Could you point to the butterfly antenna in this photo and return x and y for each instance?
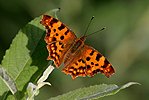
(96, 31)
(88, 25)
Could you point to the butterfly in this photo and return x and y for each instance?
(78, 58)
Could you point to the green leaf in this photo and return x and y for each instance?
(27, 49)
(25, 60)
(93, 92)
(20, 61)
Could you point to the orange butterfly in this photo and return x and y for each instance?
(64, 47)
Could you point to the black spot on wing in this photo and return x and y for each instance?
(92, 53)
(60, 43)
(79, 60)
(66, 32)
(60, 50)
(53, 21)
(96, 64)
(88, 66)
(56, 34)
(62, 46)
(81, 67)
(98, 56)
(76, 63)
(105, 63)
(97, 70)
(88, 58)
(54, 30)
(62, 37)
(92, 63)
(53, 39)
(61, 27)
(83, 61)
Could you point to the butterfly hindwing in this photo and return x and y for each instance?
(96, 62)
(89, 62)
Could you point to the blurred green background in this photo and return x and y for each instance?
(125, 42)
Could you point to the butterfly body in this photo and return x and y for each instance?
(64, 47)
(74, 50)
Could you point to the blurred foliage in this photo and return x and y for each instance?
(124, 42)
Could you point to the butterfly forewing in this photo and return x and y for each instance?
(58, 38)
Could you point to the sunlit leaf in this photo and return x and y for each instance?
(93, 92)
